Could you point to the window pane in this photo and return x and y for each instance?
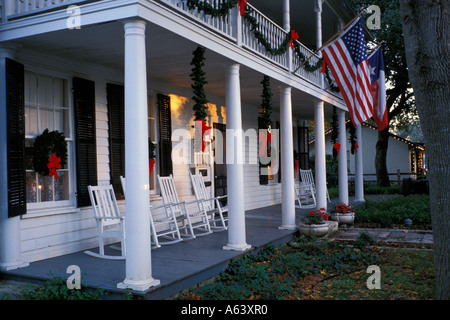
(31, 121)
(45, 188)
(62, 186)
(31, 187)
(46, 120)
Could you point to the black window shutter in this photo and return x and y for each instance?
(85, 137)
(15, 109)
(303, 147)
(263, 178)
(116, 122)
(165, 133)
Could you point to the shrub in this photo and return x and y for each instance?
(396, 210)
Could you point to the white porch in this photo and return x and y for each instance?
(158, 49)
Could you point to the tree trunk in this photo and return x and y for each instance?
(425, 27)
(380, 158)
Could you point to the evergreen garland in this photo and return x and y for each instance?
(335, 131)
(198, 77)
(44, 146)
(266, 104)
(208, 9)
(352, 137)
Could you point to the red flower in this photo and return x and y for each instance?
(54, 163)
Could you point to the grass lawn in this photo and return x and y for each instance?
(318, 269)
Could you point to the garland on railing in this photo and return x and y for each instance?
(223, 10)
(288, 42)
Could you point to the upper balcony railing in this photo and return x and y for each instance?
(231, 26)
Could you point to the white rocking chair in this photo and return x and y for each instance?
(211, 205)
(305, 196)
(170, 196)
(307, 178)
(165, 226)
(107, 216)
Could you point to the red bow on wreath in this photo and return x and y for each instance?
(337, 146)
(294, 36)
(54, 163)
(201, 124)
(242, 4)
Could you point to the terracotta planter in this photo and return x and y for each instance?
(313, 230)
(343, 218)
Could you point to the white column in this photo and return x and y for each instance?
(235, 158)
(318, 11)
(359, 178)
(137, 204)
(287, 28)
(342, 158)
(287, 160)
(10, 254)
(320, 162)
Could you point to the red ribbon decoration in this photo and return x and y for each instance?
(201, 124)
(151, 163)
(337, 146)
(294, 36)
(324, 65)
(242, 4)
(54, 163)
(296, 165)
(264, 137)
(356, 146)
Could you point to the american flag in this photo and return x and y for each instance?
(347, 59)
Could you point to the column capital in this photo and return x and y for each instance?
(134, 26)
(8, 49)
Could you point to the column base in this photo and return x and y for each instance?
(287, 227)
(237, 247)
(138, 285)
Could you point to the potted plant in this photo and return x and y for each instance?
(343, 214)
(315, 224)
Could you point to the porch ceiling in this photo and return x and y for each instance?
(168, 60)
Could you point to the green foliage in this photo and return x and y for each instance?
(266, 103)
(396, 210)
(56, 289)
(274, 274)
(222, 10)
(198, 82)
(332, 171)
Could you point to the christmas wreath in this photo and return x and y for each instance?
(49, 145)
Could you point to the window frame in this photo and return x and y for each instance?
(35, 209)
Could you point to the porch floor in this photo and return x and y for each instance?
(177, 266)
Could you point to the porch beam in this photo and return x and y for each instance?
(359, 178)
(138, 249)
(287, 158)
(235, 160)
(320, 162)
(342, 158)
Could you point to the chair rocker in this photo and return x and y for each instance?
(307, 178)
(183, 215)
(305, 196)
(165, 226)
(212, 206)
(110, 221)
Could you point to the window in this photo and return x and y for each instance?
(46, 107)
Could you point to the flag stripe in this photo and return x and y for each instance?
(347, 59)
